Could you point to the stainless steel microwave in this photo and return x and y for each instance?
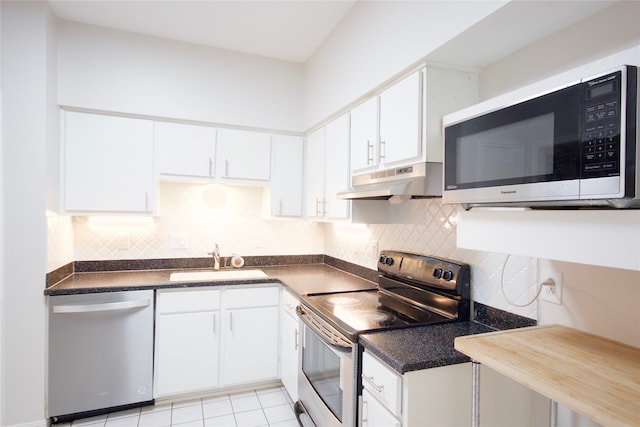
(575, 146)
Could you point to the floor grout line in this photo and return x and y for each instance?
(121, 419)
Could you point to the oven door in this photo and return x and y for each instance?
(328, 378)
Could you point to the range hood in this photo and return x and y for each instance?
(398, 184)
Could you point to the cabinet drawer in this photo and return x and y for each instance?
(186, 301)
(384, 384)
(376, 415)
(252, 297)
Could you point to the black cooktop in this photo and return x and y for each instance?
(413, 290)
(368, 310)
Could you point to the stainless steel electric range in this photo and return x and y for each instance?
(413, 290)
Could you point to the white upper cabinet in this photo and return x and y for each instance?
(402, 125)
(336, 169)
(364, 135)
(314, 169)
(327, 170)
(107, 164)
(243, 155)
(400, 121)
(184, 150)
(287, 176)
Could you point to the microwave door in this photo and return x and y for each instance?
(498, 156)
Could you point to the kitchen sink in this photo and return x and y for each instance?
(186, 276)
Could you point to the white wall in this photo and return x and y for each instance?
(376, 41)
(112, 70)
(1, 240)
(27, 98)
(613, 30)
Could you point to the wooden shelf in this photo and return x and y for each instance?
(593, 376)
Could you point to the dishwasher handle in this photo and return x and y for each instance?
(106, 306)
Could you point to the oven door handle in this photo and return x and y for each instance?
(303, 417)
(325, 332)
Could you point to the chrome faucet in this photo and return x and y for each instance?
(216, 257)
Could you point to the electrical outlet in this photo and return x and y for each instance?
(551, 292)
(179, 241)
(373, 249)
(122, 241)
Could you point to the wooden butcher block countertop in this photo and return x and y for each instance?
(591, 375)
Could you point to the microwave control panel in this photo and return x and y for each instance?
(602, 123)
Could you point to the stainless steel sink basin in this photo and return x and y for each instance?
(186, 276)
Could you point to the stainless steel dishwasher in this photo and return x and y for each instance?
(100, 353)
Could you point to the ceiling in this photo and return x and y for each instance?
(287, 30)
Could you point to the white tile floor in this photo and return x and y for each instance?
(267, 407)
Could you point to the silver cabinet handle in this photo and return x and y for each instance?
(226, 168)
(371, 382)
(296, 337)
(383, 149)
(318, 207)
(106, 306)
(214, 323)
(230, 321)
(369, 152)
(365, 413)
(210, 166)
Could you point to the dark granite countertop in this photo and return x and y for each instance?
(404, 350)
(424, 347)
(300, 279)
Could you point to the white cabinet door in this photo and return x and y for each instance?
(107, 164)
(364, 136)
(186, 341)
(336, 174)
(243, 155)
(187, 352)
(183, 150)
(314, 164)
(287, 176)
(400, 121)
(374, 414)
(327, 164)
(250, 345)
(250, 327)
(290, 343)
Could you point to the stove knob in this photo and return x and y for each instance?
(437, 273)
(447, 275)
(382, 258)
(388, 260)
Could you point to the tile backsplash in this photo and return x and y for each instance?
(193, 217)
(427, 226)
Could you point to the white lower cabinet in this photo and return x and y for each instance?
(208, 338)
(250, 321)
(187, 341)
(290, 333)
(375, 414)
(440, 397)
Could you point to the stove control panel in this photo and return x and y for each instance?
(445, 275)
(386, 260)
(426, 270)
